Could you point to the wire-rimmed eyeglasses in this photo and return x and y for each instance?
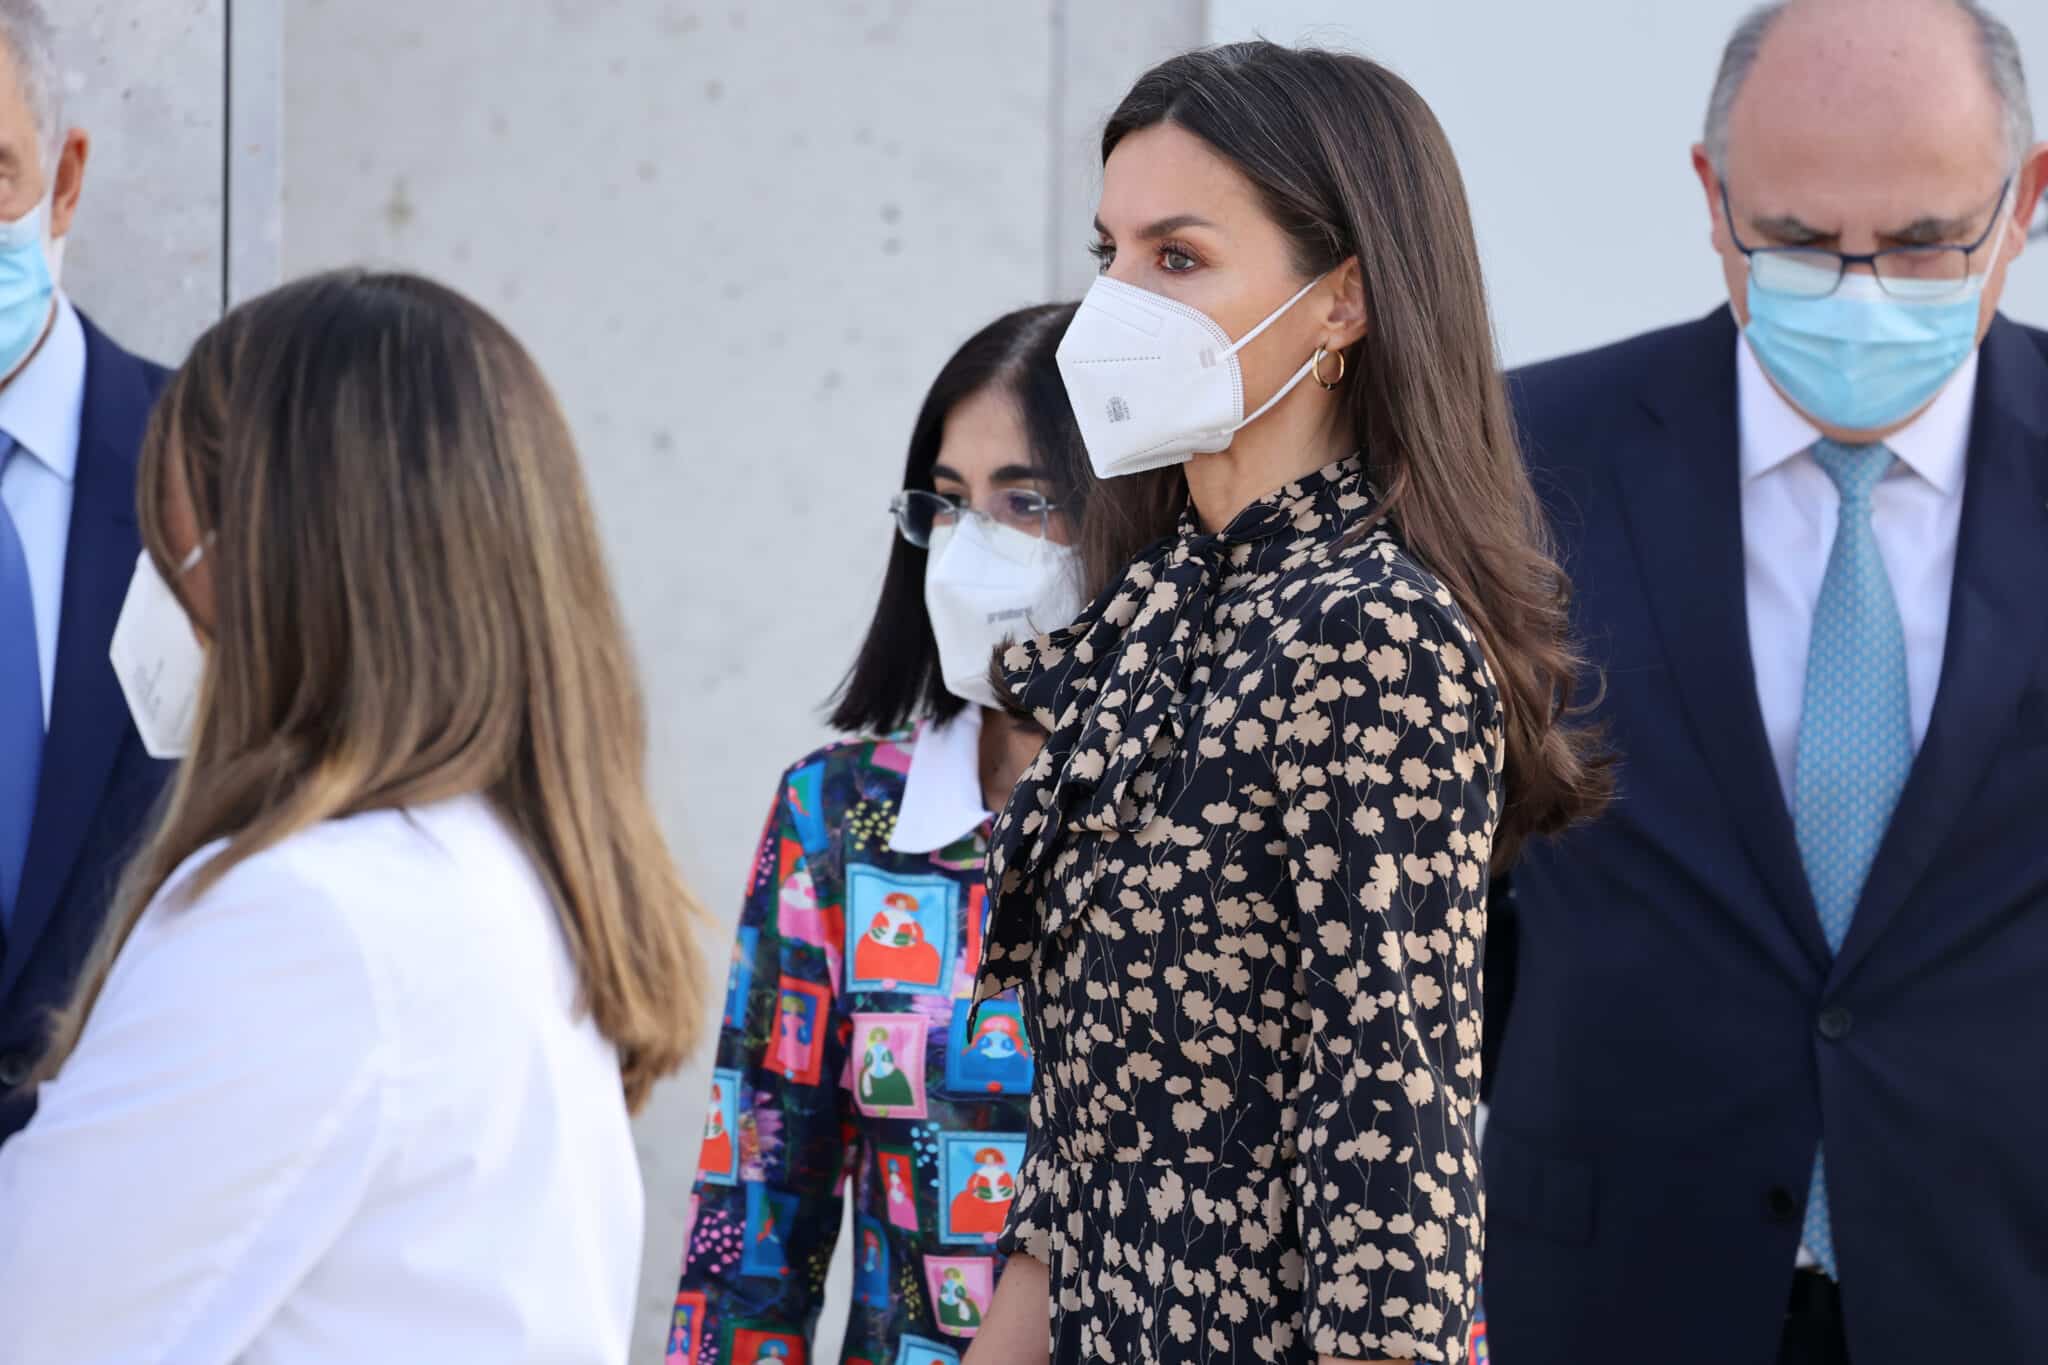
(1930, 273)
(919, 512)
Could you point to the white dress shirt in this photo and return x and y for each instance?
(41, 408)
(342, 1108)
(1789, 510)
(942, 797)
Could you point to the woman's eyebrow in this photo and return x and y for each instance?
(1165, 227)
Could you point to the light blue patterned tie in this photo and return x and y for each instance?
(1855, 731)
(21, 704)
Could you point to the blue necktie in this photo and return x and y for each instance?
(1855, 732)
(21, 705)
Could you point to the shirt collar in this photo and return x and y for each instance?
(1935, 445)
(1335, 487)
(942, 793)
(40, 407)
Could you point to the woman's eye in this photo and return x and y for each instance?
(1104, 255)
(1175, 261)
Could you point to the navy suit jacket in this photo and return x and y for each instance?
(1679, 1036)
(98, 785)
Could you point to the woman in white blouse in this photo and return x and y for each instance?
(348, 1079)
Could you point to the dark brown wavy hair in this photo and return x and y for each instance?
(1350, 162)
(411, 604)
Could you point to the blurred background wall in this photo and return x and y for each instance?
(742, 237)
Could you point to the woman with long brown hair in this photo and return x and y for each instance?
(1243, 889)
(348, 1077)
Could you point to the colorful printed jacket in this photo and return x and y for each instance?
(848, 1060)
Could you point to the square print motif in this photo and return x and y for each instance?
(806, 797)
(896, 1174)
(977, 1181)
(900, 931)
(798, 1046)
(870, 1263)
(765, 1346)
(765, 1252)
(995, 1059)
(961, 1287)
(916, 1350)
(686, 1329)
(719, 1163)
(887, 1065)
(740, 978)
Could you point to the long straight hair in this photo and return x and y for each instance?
(410, 605)
(1350, 162)
(895, 678)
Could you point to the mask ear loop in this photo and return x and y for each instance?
(1278, 313)
(1253, 335)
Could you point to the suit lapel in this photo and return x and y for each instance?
(89, 717)
(1684, 510)
(1996, 626)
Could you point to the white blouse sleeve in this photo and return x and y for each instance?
(217, 1125)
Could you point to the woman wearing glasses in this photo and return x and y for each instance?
(846, 1060)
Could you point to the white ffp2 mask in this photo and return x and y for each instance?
(159, 661)
(987, 585)
(1154, 382)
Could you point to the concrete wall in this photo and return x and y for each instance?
(1574, 124)
(740, 239)
(147, 79)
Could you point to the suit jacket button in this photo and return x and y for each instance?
(1780, 1204)
(14, 1068)
(1835, 1024)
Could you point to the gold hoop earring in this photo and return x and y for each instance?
(1316, 369)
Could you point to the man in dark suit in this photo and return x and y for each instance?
(75, 784)
(1768, 1086)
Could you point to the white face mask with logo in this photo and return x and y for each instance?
(987, 585)
(1154, 382)
(159, 660)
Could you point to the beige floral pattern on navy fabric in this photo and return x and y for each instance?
(1244, 894)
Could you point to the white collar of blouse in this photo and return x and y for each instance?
(942, 799)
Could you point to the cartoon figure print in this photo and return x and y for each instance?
(765, 1249)
(882, 1083)
(871, 1264)
(798, 1048)
(887, 1070)
(753, 1346)
(686, 1329)
(995, 1059)
(719, 1162)
(896, 1171)
(740, 977)
(956, 1305)
(979, 1182)
(961, 1288)
(894, 947)
(906, 930)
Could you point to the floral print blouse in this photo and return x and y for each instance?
(847, 1063)
(1243, 891)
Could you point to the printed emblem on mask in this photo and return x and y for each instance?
(1119, 411)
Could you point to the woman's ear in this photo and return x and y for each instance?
(1346, 321)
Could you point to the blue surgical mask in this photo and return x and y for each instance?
(27, 284)
(1868, 355)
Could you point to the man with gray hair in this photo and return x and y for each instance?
(75, 781)
(1765, 1087)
